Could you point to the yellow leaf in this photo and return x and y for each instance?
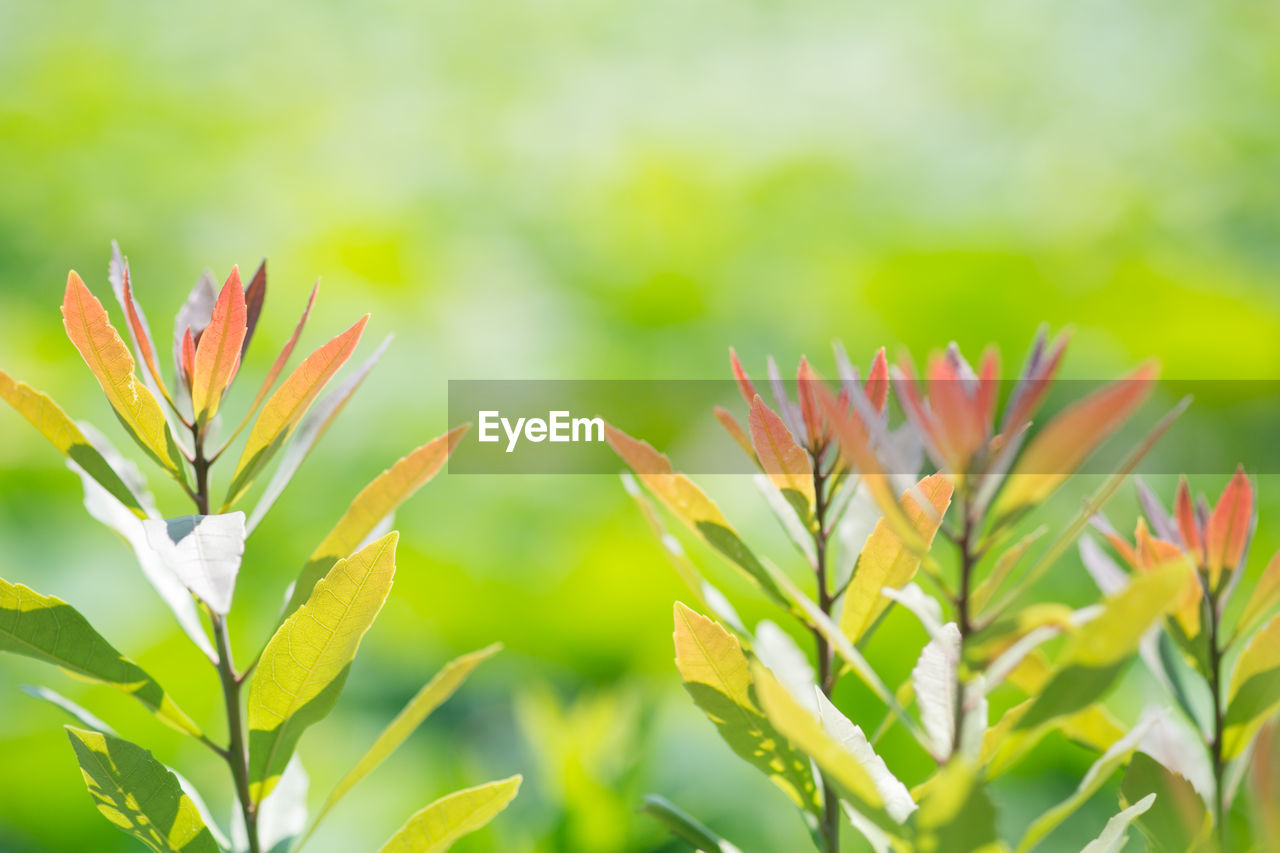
(435, 828)
(1255, 689)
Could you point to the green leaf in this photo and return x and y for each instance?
(956, 816)
(139, 794)
(54, 424)
(1116, 833)
(435, 828)
(1098, 651)
(1177, 821)
(1255, 689)
(305, 664)
(685, 827)
(718, 677)
(1097, 775)
(48, 629)
(430, 697)
(374, 503)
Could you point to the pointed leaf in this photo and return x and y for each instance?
(254, 297)
(786, 463)
(109, 359)
(52, 422)
(1263, 599)
(747, 390)
(439, 825)
(305, 664)
(735, 430)
(281, 360)
(139, 794)
(1060, 448)
(374, 503)
(1227, 533)
(430, 697)
(82, 715)
(218, 353)
(685, 827)
(851, 738)
(717, 675)
(288, 404)
(886, 562)
(1116, 833)
(196, 311)
(1177, 821)
(690, 504)
(139, 331)
(48, 629)
(1255, 689)
(202, 551)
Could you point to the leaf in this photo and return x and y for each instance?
(786, 463)
(935, 679)
(839, 766)
(374, 503)
(52, 422)
(886, 561)
(1177, 822)
(50, 630)
(82, 715)
(281, 816)
(685, 827)
(735, 430)
(254, 297)
(104, 507)
(139, 331)
(314, 424)
(277, 367)
(90, 330)
(202, 551)
(1264, 598)
(1116, 833)
(218, 352)
(1101, 770)
(1060, 448)
(305, 665)
(435, 828)
(690, 504)
(1097, 652)
(740, 376)
(851, 738)
(1255, 689)
(957, 815)
(139, 794)
(281, 413)
(717, 675)
(430, 697)
(1227, 532)
(195, 313)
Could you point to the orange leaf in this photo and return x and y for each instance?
(1185, 513)
(744, 384)
(1155, 553)
(288, 404)
(138, 329)
(731, 425)
(1060, 448)
(187, 356)
(1227, 533)
(878, 381)
(90, 330)
(786, 463)
(218, 354)
(805, 380)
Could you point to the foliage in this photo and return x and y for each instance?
(193, 562)
(834, 461)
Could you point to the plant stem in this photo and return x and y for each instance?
(237, 753)
(827, 673)
(1215, 748)
(967, 561)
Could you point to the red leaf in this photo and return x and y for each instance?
(1185, 513)
(877, 386)
(254, 296)
(1227, 533)
(744, 384)
(218, 352)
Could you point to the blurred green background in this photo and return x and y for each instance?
(606, 189)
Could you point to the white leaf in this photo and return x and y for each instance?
(777, 651)
(926, 609)
(202, 551)
(786, 515)
(934, 680)
(1180, 750)
(282, 816)
(309, 431)
(104, 507)
(82, 715)
(897, 799)
(876, 837)
(1115, 834)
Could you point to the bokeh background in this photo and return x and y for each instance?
(596, 189)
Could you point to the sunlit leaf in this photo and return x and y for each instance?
(281, 413)
(314, 424)
(1116, 833)
(109, 359)
(202, 551)
(897, 799)
(304, 666)
(1255, 689)
(1177, 821)
(1228, 528)
(887, 562)
(430, 697)
(786, 463)
(139, 331)
(139, 795)
(747, 389)
(254, 297)
(48, 629)
(1060, 448)
(374, 503)
(1263, 599)
(688, 503)
(218, 352)
(52, 422)
(439, 825)
(735, 430)
(685, 827)
(282, 816)
(718, 677)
